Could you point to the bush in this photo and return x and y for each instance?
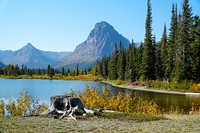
(38, 109)
(173, 85)
(2, 110)
(195, 87)
(122, 102)
(21, 107)
(118, 82)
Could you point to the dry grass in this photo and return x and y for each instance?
(88, 77)
(174, 123)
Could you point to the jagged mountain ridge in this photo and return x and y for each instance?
(29, 56)
(100, 42)
(33, 57)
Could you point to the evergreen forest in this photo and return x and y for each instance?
(176, 57)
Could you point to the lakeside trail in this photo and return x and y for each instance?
(143, 88)
(173, 123)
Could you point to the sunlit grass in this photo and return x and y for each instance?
(88, 77)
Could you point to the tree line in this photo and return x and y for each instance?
(174, 57)
(15, 70)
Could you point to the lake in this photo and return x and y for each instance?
(44, 89)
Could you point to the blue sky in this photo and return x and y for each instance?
(60, 25)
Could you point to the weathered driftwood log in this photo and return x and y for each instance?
(63, 105)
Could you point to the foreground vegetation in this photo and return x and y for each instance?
(128, 103)
(133, 115)
(122, 102)
(173, 123)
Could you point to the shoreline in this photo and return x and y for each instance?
(143, 88)
(136, 88)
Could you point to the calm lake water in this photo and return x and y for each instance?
(44, 89)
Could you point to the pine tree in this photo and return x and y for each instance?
(184, 46)
(163, 51)
(153, 54)
(113, 64)
(148, 68)
(100, 67)
(63, 71)
(159, 63)
(196, 49)
(76, 71)
(131, 62)
(138, 62)
(49, 71)
(85, 72)
(121, 62)
(105, 66)
(171, 45)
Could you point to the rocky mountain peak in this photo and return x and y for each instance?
(100, 29)
(103, 25)
(27, 49)
(28, 46)
(99, 43)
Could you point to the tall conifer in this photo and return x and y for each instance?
(164, 48)
(113, 64)
(171, 44)
(131, 63)
(184, 46)
(148, 69)
(121, 62)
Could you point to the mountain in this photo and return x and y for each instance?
(56, 56)
(100, 42)
(2, 65)
(29, 56)
(6, 54)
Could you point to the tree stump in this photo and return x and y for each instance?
(63, 105)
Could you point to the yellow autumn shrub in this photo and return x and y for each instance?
(21, 107)
(2, 110)
(122, 102)
(195, 87)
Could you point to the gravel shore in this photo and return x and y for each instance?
(143, 88)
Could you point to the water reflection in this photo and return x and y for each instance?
(163, 100)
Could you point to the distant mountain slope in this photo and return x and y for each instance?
(29, 56)
(56, 56)
(2, 65)
(6, 54)
(100, 42)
